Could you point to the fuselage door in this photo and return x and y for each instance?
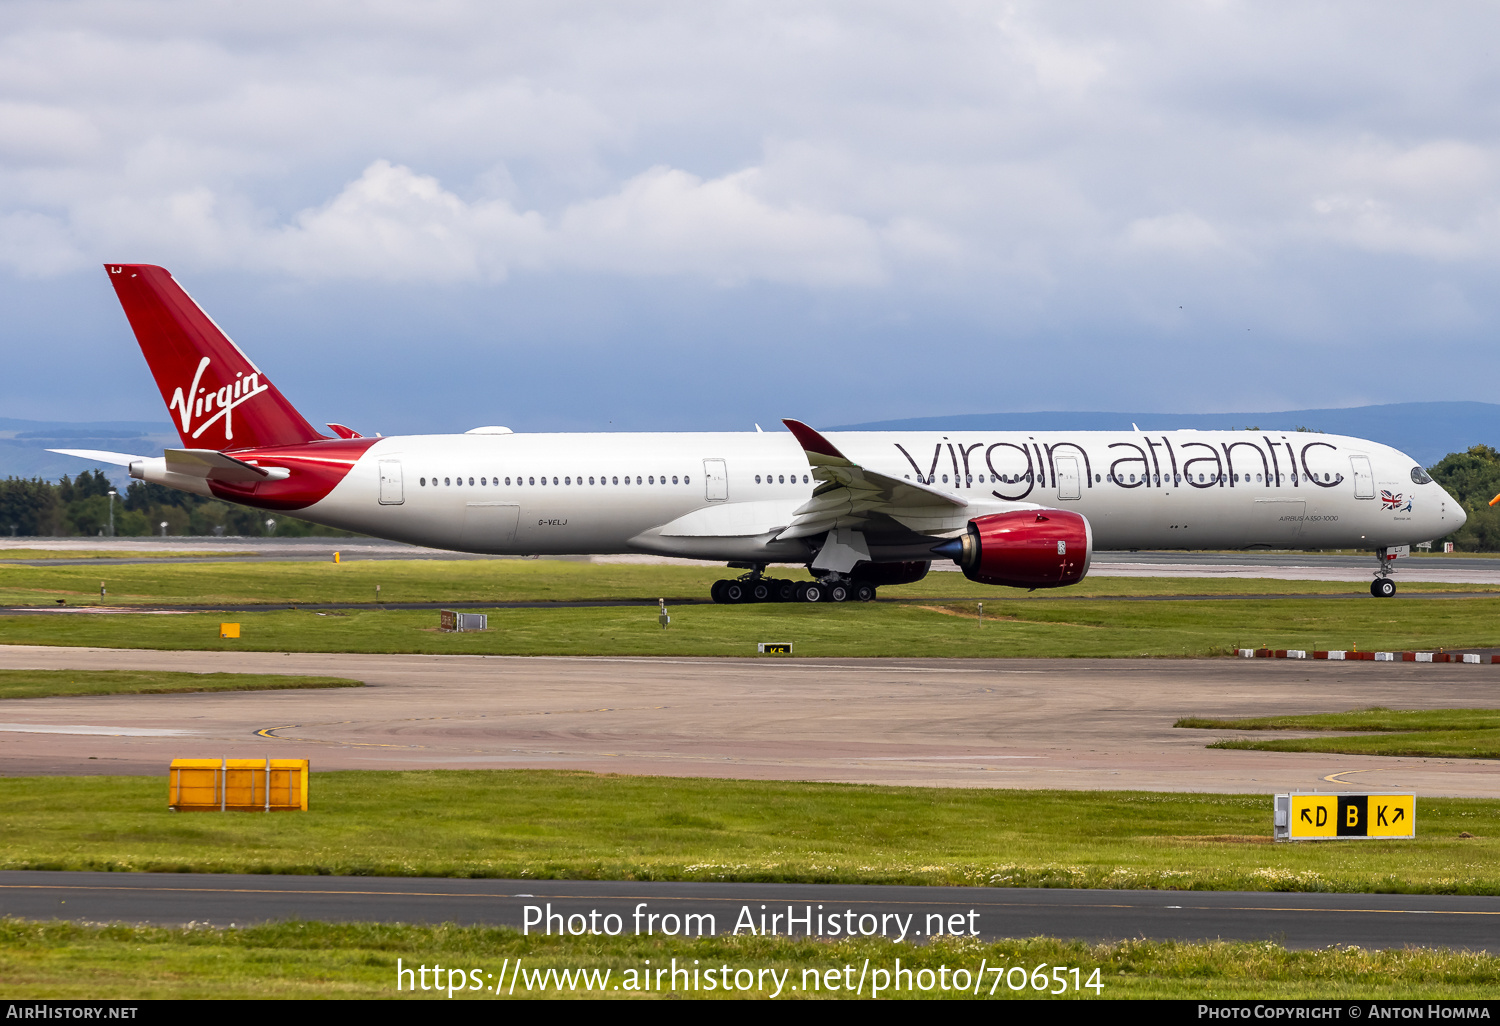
(390, 483)
(1068, 484)
(1364, 477)
(715, 480)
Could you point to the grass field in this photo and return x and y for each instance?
(359, 960)
(1011, 628)
(542, 580)
(88, 553)
(47, 683)
(573, 825)
(1445, 744)
(1375, 718)
(1421, 733)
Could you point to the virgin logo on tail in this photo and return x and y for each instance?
(218, 404)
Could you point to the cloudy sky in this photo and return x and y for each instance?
(572, 216)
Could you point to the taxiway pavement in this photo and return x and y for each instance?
(1047, 723)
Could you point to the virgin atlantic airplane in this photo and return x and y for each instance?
(859, 509)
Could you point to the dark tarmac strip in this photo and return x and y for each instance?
(1295, 920)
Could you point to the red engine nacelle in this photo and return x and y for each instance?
(1027, 549)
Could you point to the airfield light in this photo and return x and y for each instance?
(163, 526)
(112, 495)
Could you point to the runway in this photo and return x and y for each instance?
(897, 913)
(1064, 723)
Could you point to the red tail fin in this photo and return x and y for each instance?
(216, 396)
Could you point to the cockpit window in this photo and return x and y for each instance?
(1419, 476)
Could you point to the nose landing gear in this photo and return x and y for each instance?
(1383, 586)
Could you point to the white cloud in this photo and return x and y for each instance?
(395, 224)
(1179, 233)
(666, 221)
(43, 133)
(809, 144)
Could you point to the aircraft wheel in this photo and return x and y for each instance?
(735, 592)
(838, 593)
(760, 592)
(811, 592)
(864, 592)
(1383, 587)
(786, 591)
(717, 592)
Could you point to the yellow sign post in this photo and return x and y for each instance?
(1318, 816)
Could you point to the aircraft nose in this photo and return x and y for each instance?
(1454, 516)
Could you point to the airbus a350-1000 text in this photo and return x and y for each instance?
(858, 509)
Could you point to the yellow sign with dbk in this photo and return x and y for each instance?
(1310, 817)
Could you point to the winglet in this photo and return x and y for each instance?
(812, 442)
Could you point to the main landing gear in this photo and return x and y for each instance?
(755, 587)
(1383, 586)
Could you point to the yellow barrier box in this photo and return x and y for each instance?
(237, 785)
(229, 630)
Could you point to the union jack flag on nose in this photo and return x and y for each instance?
(1395, 501)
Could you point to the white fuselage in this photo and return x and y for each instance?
(722, 496)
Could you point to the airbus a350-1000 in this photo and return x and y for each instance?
(859, 509)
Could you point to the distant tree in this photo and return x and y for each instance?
(29, 507)
(87, 485)
(80, 506)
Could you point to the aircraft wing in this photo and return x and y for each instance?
(850, 496)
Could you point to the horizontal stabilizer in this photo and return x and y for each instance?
(119, 459)
(216, 466)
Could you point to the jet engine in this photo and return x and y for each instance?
(1046, 548)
